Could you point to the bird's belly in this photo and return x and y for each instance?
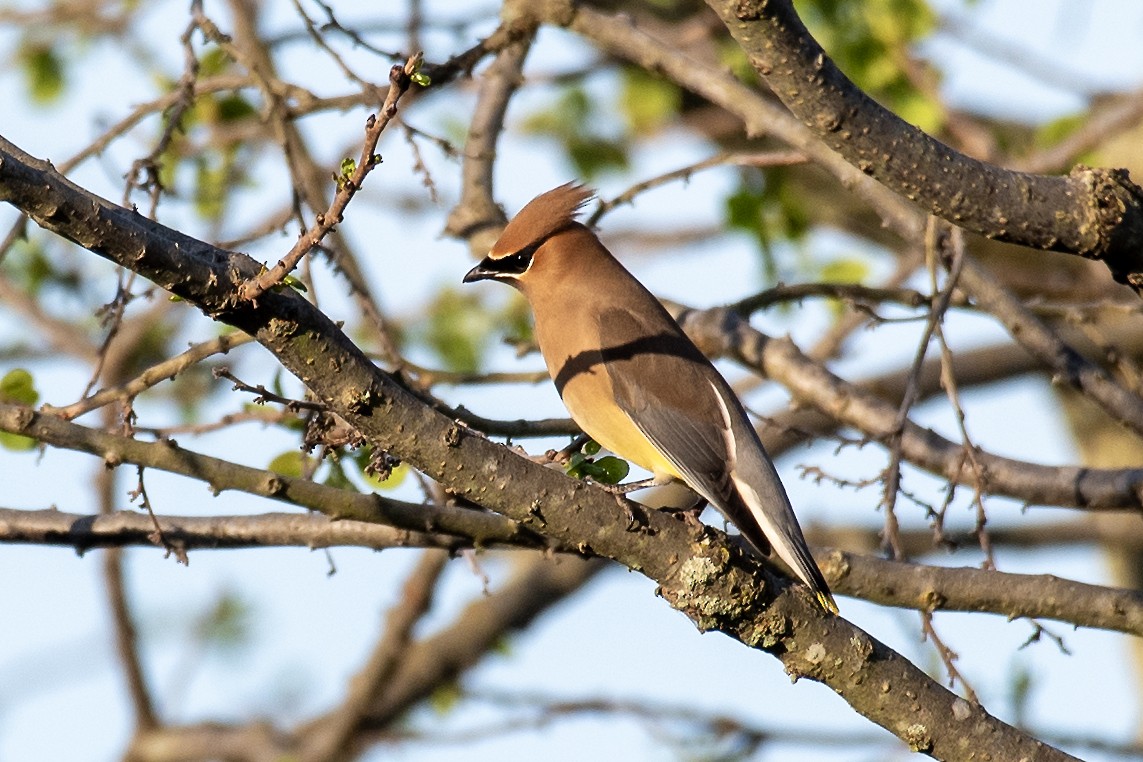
(612, 429)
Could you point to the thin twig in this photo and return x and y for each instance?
(400, 77)
(144, 173)
(264, 395)
(762, 159)
(126, 635)
(157, 536)
(162, 371)
(948, 656)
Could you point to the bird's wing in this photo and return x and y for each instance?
(679, 402)
(666, 388)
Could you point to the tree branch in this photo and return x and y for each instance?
(1035, 596)
(477, 218)
(1095, 213)
(475, 526)
(1091, 489)
(268, 530)
(891, 583)
(704, 576)
(163, 371)
(391, 649)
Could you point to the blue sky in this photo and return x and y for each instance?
(60, 693)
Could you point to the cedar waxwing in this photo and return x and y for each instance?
(634, 382)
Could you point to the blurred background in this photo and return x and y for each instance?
(273, 634)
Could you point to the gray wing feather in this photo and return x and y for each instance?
(676, 398)
(666, 390)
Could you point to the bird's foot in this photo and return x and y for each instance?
(623, 489)
(689, 514)
(636, 514)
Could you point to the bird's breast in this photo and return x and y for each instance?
(590, 400)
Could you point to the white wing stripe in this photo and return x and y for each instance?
(727, 430)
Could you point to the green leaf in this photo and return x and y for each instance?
(590, 447)
(502, 646)
(383, 473)
(421, 79)
(18, 388)
(43, 72)
(33, 269)
(564, 118)
(845, 270)
(213, 180)
(213, 62)
(648, 103)
(458, 329)
(1052, 132)
(1021, 690)
(276, 384)
(233, 108)
(608, 470)
(744, 208)
(31, 264)
(293, 282)
(575, 465)
(445, 698)
(593, 156)
(516, 317)
(16, 442)
(732, 57)
(337, 477)
(288, 463)
(920, 110)
(572, 120)
(392, 481)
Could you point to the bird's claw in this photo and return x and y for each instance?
(636, 516)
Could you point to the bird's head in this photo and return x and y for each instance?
(539, 221)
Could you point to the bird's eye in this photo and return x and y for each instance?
(518, 263)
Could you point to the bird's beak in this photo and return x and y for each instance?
(483, 271)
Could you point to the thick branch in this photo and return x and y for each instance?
(1037, 596)
(703, 576)
(1095, 213)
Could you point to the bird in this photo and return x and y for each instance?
(634, 382)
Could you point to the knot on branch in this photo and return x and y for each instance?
(726, 589)
(748, 10)
(1116, 232)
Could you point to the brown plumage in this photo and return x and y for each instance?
(634, 382)
(541, 218)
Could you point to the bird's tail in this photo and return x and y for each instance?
(785, 539)
(771, 522)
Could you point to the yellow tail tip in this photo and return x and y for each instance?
(826, 601)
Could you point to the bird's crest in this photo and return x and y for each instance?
(541, 217)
